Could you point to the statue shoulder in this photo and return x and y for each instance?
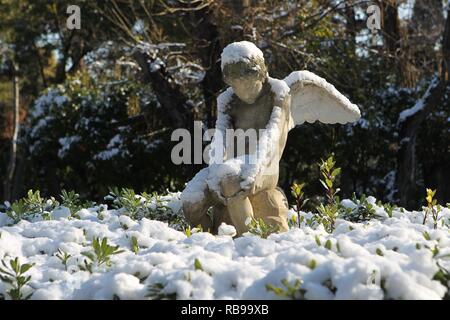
(281, 91)
(225, 99)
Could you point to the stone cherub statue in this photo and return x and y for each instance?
(241, 183)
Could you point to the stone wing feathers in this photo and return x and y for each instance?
(314, 99)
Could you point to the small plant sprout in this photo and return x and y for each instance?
(129, 201)
(188, 231)
(72, 201)
(292, 221)
(260, 228)
(329, 174)
(156, 292)
(389, 209)
(432, 208)
(101, 255)
(17, 211)
(312, 264)
(327, 216)
(134, 244)
(300, 200)
(289, 290)
(198, 265)
(443, 276)
(14, 275)
(63, 256)
(426, 235)
(328, 213)
(317, 239)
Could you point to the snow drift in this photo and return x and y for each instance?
(385, 258)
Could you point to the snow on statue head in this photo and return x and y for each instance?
(244, 69)
(236, 190)
(240, 51)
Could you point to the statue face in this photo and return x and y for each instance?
(246, 79)
(247, 89)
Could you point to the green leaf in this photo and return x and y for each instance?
(15, 265)
(336, 172)
(28, 296)
(104, 245)
(134, 244)
(25, 268)
(5, 279)
(329, 183)
(318, 241)
(89, 255)
(198, 265)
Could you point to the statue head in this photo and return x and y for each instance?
(244, 69)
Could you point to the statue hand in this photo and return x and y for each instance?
(247, 190)
(231, 186)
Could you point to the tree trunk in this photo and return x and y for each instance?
(19, 174)
(8, 183)
(169, 94)
(410, 122)
(210, 48)
(390, 25)
(351, 25)
(409, 128)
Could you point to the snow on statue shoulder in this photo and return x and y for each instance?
(241, 182)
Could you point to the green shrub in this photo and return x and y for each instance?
(328, 213)
(144, 205)
(101, 254)
(13, 273)
(363, 211)
(31, 207)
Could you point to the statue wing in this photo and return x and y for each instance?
(314, 99)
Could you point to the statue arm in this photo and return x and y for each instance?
(270, 147)
(223, 122)
(273, 139)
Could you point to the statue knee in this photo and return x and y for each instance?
(189, 212)
(194, 211)
(270, 202)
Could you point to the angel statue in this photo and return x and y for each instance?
(240, 182)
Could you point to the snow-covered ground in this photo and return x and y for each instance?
(384, 258)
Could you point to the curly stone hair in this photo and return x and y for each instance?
(245, 68)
